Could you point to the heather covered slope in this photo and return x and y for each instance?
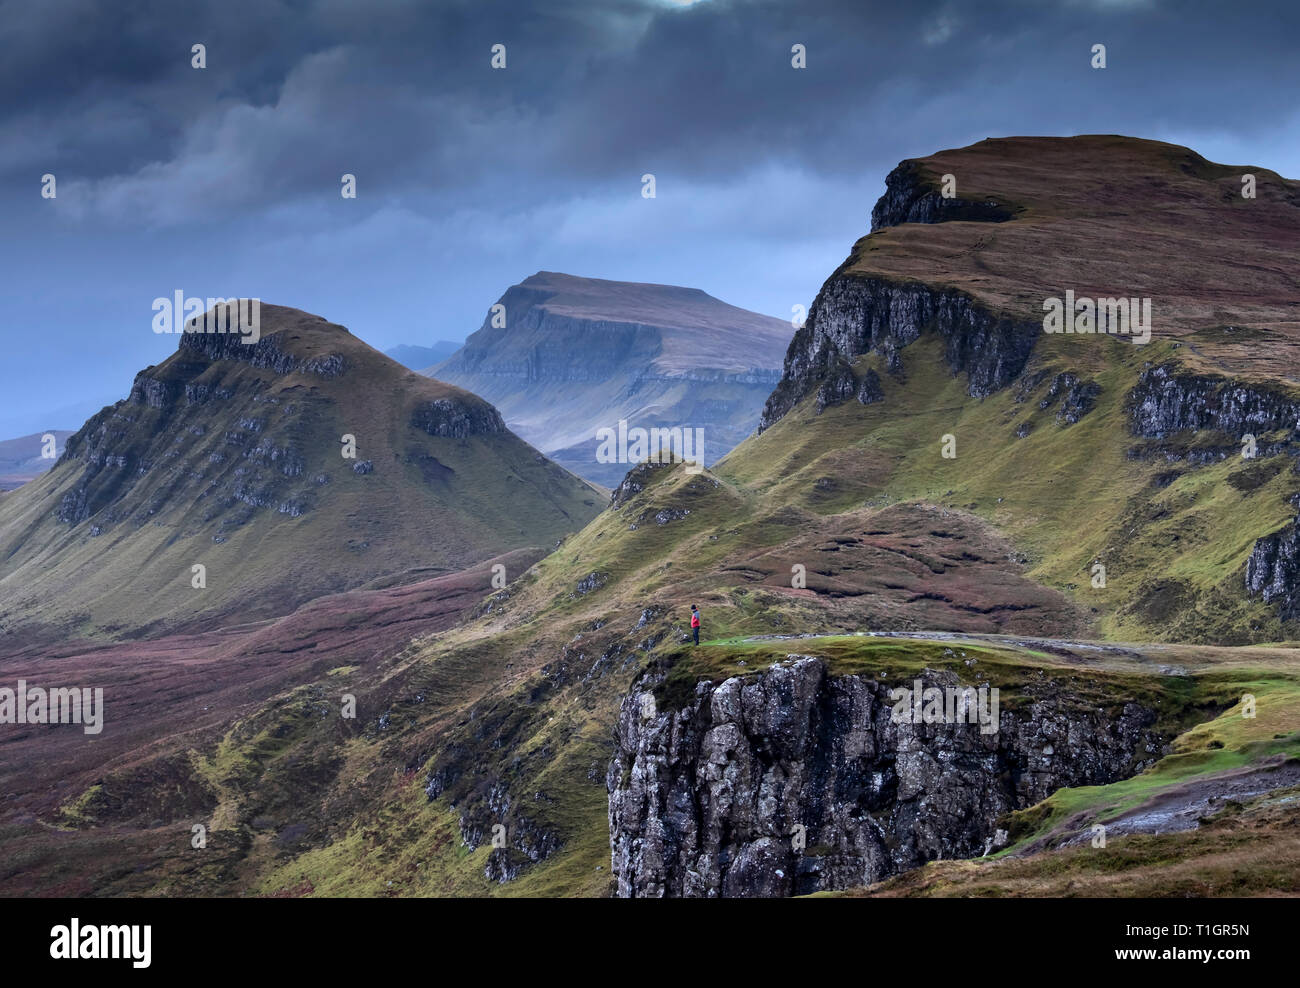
(579, 354)
(230, 456)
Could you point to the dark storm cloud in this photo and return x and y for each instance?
(401, 94)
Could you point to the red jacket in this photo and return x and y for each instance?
(695, 619)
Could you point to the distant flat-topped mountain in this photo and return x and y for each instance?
(231, 456)
(21, 459)
(566, 356)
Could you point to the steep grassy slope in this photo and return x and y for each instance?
(1174, 535)
(230, 456)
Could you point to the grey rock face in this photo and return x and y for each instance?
(457, 420)
(590, 582)
(706, 800)
(841, 384)
(635, 482)
(265, 353)
(1166, 401)
(908, 199)
(1079, 397)
(853, 315)
(1273, 571)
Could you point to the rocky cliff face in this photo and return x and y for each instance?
(707, 800)
(911, 198)
(1273, 571)
(456, 420)
(1167, 400)
(854, 315)
(266, 353)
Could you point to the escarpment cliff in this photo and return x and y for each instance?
(1168, 400)
(563, 357)
(854, 315)
(969, 243)
(912, 197)
(792, 780)
(858, 312)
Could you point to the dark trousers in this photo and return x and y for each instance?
(697, 635)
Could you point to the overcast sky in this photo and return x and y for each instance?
(225, 180)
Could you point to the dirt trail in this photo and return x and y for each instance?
(1183, 807)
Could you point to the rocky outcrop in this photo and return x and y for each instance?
(457, 419)
(842, 383)
(910, 198)
(1167, 400)
(854, 315)
(635, 481)
(1273, 571)
(1079, 397)
(266, 353)
(591, 582)
(791, 780)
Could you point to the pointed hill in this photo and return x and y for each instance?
(231, 456)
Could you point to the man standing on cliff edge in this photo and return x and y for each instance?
(695, 623)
